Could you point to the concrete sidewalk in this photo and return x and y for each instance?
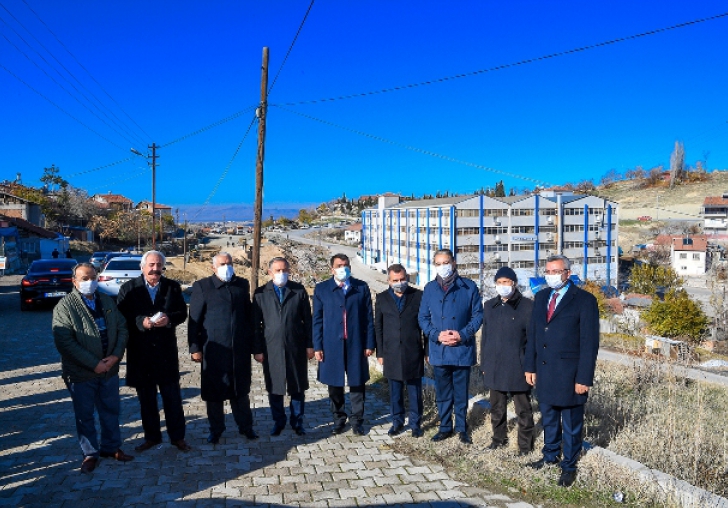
(40, 456)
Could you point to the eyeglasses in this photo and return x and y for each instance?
(554, 272)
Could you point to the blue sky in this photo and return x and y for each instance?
(175, 67)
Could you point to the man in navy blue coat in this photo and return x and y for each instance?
(450, 314)
(561, 356)
(343, 338)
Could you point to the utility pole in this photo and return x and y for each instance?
(184, 247)
(261, 113)
(154, 194)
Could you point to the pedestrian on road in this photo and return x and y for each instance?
(450, 314)
(561, 355)
(55, 254)
(90, 334)
(283, 343)
(153, 307)
(343, 338)
(220, 336)
(502, 347)
(401, 348)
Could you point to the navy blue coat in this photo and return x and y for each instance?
(399, 338)
(328, 331)
(459, 309)
(564, 351)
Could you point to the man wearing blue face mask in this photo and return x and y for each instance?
(343, 338)
(90, 334)
(220, 336)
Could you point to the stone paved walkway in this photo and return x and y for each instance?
(40, 457)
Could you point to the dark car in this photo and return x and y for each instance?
(97, 258)
(47, 280)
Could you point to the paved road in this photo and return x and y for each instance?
(40, 457)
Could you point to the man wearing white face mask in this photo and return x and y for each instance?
(561, 355)
(343, 338)
(220, 336)
(502, 346)
(283, 343)
(90, 334)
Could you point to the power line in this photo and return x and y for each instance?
(227, 169)
(212, 125)
(73, 175)
(118, 124)
(59, 107)
(121, 180)
(510, 65)
(52, 78)
(290, 48)
(418, 150)
(86, 70)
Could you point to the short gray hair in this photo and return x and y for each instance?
(221, 253)
(83, 265)
(278, 259)
(562, 258)
(446, 252)
(152, 253)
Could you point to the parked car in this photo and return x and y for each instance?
(118, 271)
(645, 218)
(112, 255)
(47, 280)
(97, 258)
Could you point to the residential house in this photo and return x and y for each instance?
(114, 202)
(352, 234)
(15, 206)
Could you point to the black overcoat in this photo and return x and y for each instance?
(400, 341)
(221, 328)
(152, 356)
(503, 343)
(563, 352)
(282, 335)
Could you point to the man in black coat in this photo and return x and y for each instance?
(153, 306)
(220, 336)
(401, 348)
(561, 356)
(283, 343)
(502, 348)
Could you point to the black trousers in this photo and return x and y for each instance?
(499, 420)
(357, 394)
(174, 415)
(241, 413)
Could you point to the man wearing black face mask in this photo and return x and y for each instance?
(401, 348)
(153, 307)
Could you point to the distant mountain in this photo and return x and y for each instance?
(238, 211)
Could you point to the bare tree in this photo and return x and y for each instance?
(677, 163)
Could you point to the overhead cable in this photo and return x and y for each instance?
(74, 175)
(212, 125)
(510, 65)
(418, 150)
(290, 48)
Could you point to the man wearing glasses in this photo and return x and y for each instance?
(561, 355)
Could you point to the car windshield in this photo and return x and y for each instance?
(51, 266)
(123, 264)
(100, 254)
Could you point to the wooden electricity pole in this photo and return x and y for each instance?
(154, 193)
(261, 113)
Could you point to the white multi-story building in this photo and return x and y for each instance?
(486, 233)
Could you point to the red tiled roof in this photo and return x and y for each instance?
(715, 201)
(355, 227)
(112, 198)
(699, 243)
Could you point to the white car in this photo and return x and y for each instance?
(117, 272)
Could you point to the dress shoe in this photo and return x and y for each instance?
(441, 436)
(338, 429)
(182, 445)
(300, 431)
(358, 430)
(89, 464)
(417, 432)
(523, 453)
(213, 438)
(540, 464)
(147, 445)
(567, 478)
(464, 438)
(117, 455)
(494, 445)
(250, 434)
(396, 430)
(276, 430)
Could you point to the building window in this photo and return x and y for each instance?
(521, 212)
(573, 228)
(573, 211)
(696, 256)
(467, 213)
(523, 229)
(683, 255)
(547, 211)
(521, 246)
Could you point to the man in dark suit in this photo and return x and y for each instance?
(153, 307)
(401, 348)
(283, 343)
(220, 336)
(343, 338)
(561, 356)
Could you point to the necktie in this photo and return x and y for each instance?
(343, 288)
(281, 293)
(552, 307)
